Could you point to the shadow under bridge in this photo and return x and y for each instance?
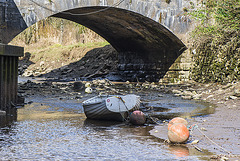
(146, 48)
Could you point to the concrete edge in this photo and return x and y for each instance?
(2, 113)
(10, 50)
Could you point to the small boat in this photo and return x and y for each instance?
(115, 108)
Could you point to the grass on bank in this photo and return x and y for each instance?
(60, 52)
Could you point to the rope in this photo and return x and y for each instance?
(79, 14)
(212, 141)
(153, 120)
(123, 103)
(194, 126)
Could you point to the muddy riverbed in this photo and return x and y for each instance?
(52, 125)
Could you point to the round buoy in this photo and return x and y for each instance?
(178, 133)
(177, 120)
(137, 118)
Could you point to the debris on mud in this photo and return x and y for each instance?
(97, 63)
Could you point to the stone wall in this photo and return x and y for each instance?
(22, 13)
(11, 21)
(180, 70)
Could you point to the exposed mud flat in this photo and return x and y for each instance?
(220, 124)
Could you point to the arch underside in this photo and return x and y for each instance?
(126, 31)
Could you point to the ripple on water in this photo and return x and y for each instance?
(45, 130)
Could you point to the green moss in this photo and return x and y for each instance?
(217, 42)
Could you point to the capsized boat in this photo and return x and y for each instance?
(115, 108)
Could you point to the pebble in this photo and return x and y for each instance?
(203, 129)
(87, 85)
(187, 97)
(2, 112)
(237, 92)
(224, 158)
(233, 97)
(88, 90)
(195, 142)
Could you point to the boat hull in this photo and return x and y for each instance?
(99, 111)
(96, 108)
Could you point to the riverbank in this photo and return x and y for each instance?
(221, 124)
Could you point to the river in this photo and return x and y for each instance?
(50, 128)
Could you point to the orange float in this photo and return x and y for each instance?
(177, 120)
(178, 133)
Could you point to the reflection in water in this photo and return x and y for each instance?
(6, 120)
(49, 130)
(179, 150)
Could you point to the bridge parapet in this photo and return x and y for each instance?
(17, 15)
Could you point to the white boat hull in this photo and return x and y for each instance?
(113, 108)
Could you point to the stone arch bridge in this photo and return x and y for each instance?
(142, 31)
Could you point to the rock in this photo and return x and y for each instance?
(176, 92)
(227, 86)
(77, 86)
(223, 158)
(187, 97)
(88, 84)
(88, 90)
(194, 142)
(189, 93)
(237, 92)
(233, 97)
(2, 112)
(197, 96)
(42, 63)
(210, 96)
(28, 73)
(103, 81)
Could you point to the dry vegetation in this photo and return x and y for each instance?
(56, 42)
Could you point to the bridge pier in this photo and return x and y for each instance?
(9, 76)
(144, 66)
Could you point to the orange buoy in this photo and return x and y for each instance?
(177, 120)
(178, 133)
(137, 118)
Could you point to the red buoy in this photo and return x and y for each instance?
(178, 133)
(137, 118)
(177, 120)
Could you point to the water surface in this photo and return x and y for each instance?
(54, 129)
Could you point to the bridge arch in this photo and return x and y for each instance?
(146, 48)
(125, 30)
(138, 39)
